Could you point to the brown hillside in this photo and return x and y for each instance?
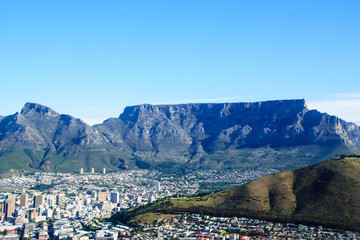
(327, 193)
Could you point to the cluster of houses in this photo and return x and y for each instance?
(195, 226)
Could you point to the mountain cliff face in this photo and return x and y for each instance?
(231, 134)
(280, 134)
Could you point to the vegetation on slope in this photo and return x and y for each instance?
(326, 193)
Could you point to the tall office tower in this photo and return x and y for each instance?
(101, 196)
(104, 170)
(94, 195)
(9, 206)
(158, 187)
(49, 213)
(1, 207)
(40, 210)
(51, 200)
(38, 201)
(114, 197)
(32, 214)
(7, 209)
(81, 171)
(24, 200)
(92, 170)
(59, 199)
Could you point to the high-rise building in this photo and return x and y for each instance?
(104, 170)
(101, 196)
(7, 209)
(59, 199)
(1, 207)
(81, 171)
(24, 200)
(51, 200)
(32, 214)
(92, 170)
(114, 197)
(94, 195)
(12, 198)
(158, 187)
(49, 213)
(39, 200)
(9, 206)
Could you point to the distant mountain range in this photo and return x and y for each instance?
(327, 193)
(278, 134)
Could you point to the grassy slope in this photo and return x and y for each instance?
(327, 193)
(113, 159)
(14, 160)
(30, 160)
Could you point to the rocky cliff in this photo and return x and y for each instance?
(231, 134)
(281, 134)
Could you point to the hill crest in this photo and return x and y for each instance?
(327, 193)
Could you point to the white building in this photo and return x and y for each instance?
(152, 198)
(158, 186)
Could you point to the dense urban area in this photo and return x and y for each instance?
(77, 206)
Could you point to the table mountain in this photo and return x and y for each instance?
(278, 134)
(281, 134)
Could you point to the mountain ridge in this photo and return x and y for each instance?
(277, 134)
(40, 138)
(200, 130)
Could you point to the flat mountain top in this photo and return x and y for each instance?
(272, 105)
(281, 134)
(327, 193)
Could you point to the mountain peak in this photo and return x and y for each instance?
(30, 108)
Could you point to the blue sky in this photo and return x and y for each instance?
(90, 58)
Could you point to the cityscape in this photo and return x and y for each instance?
(76, 206)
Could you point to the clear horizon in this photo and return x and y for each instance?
(90, 59)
